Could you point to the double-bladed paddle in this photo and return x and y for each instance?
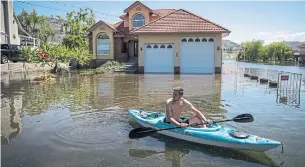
(143, 132)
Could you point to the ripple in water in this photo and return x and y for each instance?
(99, 130)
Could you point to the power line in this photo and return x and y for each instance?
(79, 7)
(55, 8)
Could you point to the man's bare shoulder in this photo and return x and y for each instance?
(169, 101)
(186, 101)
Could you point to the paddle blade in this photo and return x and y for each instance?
(141, 132)
(243, 118)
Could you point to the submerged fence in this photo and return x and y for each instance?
(289, 88)
(288, 85)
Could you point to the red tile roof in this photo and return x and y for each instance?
(120, 27)
(163, 12)
(181, 21)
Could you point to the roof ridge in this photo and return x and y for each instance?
(118, 22)
(134, 4)
(204, 19)
(155, 20)
(107, 24)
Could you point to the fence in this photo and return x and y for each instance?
(289, 88)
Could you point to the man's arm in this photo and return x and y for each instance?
(197, 112)
(168, 114)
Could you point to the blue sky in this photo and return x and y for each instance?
(269, 21)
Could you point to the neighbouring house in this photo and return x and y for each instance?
(11, 29)
(300, 53)
(161, 40)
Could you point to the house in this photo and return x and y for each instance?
(162, 40)
(11, 29)
(300, 53)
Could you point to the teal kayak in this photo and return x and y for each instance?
(216, 134)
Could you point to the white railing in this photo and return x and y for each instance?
(29, 41)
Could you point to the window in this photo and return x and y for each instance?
(155, 46)
(169, 46)
(184, 40)
(148, 46)
(197, 40)
(162, 46)
(103, 44)
(15, 47)
(204, 40)
(138, 20)
(211, 40)
(4, 46)
(191, 40)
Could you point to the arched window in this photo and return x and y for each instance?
(169, 46)
(103, 44)
(184, 40)
(211, 40)
(197, 40)
(138, 20)
(191, 40)
(162, 46)
(204, 40)
(148, 46)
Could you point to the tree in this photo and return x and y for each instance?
(253, 49)
(278, 51)
(36, 25)
(76, 25)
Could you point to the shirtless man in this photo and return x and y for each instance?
(174, 108)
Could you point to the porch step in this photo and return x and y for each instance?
(126, 70)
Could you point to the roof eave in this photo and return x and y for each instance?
(127, 9)
(196, 32)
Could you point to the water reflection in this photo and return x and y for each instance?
(11, 118)
(175, 151)
(78, 93)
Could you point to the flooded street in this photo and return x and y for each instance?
(82, 121)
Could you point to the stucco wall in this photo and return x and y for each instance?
(135, 10)
(10, 27)
(95, 33)
(176, 38)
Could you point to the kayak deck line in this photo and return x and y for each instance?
(215, 134)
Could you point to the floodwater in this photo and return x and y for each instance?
(82, 121)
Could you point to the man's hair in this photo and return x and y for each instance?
(179, 89)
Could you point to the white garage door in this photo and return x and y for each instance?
(159, 58)
(197, 55)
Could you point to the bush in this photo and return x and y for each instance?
(56, 54)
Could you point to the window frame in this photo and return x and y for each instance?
(101, 43)
(137, 21)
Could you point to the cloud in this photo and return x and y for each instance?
(263, 33)
(277, 36)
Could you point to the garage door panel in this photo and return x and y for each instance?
(197, 57)
(159, 58)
